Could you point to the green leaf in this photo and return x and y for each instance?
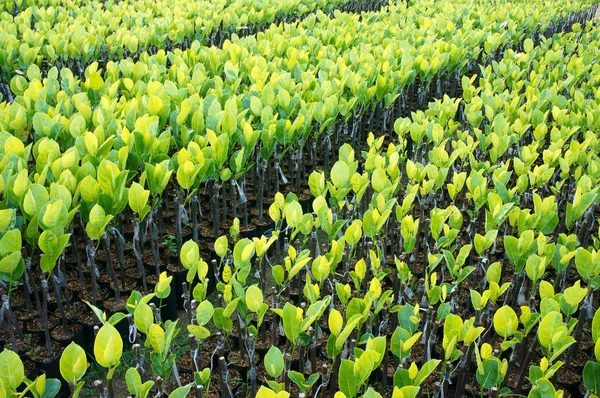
(506, 321)
(591, 377)
(190, 253)
(335, 322)
(243, 252)
(96, 81)
(409, 391)
(155, 105)
(12, 372)
(343, 336)
(204, 312)
(298, 379)
(78, 389)
(293, 214)
(133, 380)
(489, 374)
(228, 311)
(549, 326)
(364, 365)
(542, 389)
(143, 317)
(10, 263)
(138, 198)
(221, 246)
(585, 264)
(379, 180)
(254, 298)
(73, 363)
(51, 388)
(11, 242)
(200, 332)
(377, 344)
(116, 318)
(274, 362)
(181, 392)
(278, 274)
(340, 173)
(370, 393)
(426, 370)
(292, 320)
(156, 336)
(256, 105)
(596, 326)
(347, 381)
(574, 294)
(108, 346)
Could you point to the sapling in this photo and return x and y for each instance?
(305, 385)
(73, 365)
(108, 348)
(135, 384)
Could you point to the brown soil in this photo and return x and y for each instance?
(112, 305)
(36, 325)
(59, 334)
(40, 353)
(24, 314)
(86, 294)
(129, 285)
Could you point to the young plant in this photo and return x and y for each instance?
(108, 349)
(73, 364)
(135, 385)
(490, 370)
(274, 365)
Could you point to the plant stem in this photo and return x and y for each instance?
(260, 187)
(110, 266)
(59, 303)
(32, 286)
(91, 255)
(223, 379)
(120, 243)
(252, 375)
(44, 318)
(524, 366)
(215, 205)
(464, 365)
(195, 206)
(75, 253)
(138, 255)
(154, 246)
(234, 199)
